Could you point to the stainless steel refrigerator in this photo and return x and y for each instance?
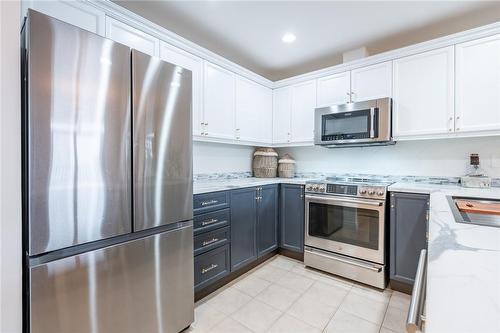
(107, 200)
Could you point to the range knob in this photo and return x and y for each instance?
(315, 188)
(371, 192)
(322, 189)
(380, 193)
(309, 187)
(362, 191)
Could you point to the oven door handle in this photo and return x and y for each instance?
(372, 123)
(343, 260)
(317, 198)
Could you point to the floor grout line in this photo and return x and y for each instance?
(317, 278)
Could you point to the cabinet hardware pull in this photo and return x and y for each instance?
(207, 222)
(213, 240)
(209, 268)
(210, 202)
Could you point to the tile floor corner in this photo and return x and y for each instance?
(282, 296)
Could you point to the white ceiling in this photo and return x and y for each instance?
(249, 32)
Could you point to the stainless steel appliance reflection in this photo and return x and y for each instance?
(346, 228)
(93, 265)
(358, 124)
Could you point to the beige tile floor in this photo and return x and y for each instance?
(282, 296)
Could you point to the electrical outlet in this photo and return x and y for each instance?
(495, 161)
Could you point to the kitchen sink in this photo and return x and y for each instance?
(478, 211)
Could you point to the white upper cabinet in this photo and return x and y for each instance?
(371, 82)
(132, 37)
(253, 112)
(334, 89)
(80, 14)
(478, 85)
(186, 60)
(282, 111)
(423, 93)
(303, 105)
(218, 102)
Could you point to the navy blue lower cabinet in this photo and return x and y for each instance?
(208, 202)
(408, 234)
(267, 219)
(292, 219)
(211, 266)
(243, 226)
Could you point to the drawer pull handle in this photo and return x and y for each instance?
(209, 202)
(208, 242)
(209, 268)
(207, 222)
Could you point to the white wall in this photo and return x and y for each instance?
(217, 157)
(447, 157)
(10, 170)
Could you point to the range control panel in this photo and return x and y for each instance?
(364, 191)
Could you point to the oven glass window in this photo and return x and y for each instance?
(346, 125)
(354, 226)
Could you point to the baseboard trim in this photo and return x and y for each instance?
(292, 254)
(401, 287)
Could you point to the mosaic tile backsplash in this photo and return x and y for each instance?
(495, 182)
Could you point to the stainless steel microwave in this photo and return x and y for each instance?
(354, 124)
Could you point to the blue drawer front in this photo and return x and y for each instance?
(211, 221)
(211, 266)
(209, 202)
(211, 240)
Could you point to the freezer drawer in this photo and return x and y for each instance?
(77, 128)
(163, 166)
(144, 285)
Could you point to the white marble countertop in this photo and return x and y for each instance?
(422, 188)
(205, 186)
(463, 273)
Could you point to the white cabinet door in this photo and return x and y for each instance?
(282, 112)
(78, 13)
(423, 93)
(132, 37)
(303, 104)
(478, 85)
(334, 89)
(186, 60)
(253, 112)
(371, 82)
(218, 102)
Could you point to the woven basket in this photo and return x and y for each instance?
(265, 163)
(286, 168)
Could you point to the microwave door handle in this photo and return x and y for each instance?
(372, 123)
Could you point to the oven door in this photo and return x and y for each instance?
(350, 226)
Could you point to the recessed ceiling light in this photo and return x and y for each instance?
(288, 38)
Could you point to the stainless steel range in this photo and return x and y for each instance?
(346, 228)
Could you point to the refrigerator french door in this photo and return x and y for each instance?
(107, 163)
